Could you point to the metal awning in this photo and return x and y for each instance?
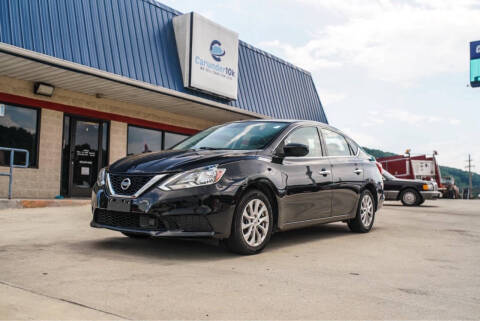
(28, 65)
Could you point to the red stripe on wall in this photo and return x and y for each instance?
(14, 99)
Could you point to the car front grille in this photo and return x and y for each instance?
(186, 223)
(127, 220)
(136, 183)
(190, 223)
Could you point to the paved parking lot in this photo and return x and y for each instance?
(417, 263)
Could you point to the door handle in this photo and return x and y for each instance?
(358, 171)
(324, 172)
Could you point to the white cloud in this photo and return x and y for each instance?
(396, 41)
(362, 138)
(391, 116)
(330, 97)
(454, 121)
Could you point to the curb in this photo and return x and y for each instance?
(26, 203)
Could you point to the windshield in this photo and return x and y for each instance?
(387, 175)
(234, 136)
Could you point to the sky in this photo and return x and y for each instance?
(392, 74)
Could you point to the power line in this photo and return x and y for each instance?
(469, 167)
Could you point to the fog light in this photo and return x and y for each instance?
(148, 222)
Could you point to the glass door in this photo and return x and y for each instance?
(87, 154)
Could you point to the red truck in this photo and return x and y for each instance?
(414, 167)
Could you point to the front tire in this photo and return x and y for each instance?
(252, 224)
(410, 197)
(363, 221)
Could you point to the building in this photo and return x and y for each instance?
(84, 83)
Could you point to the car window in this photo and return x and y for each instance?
(235, 136)
(387, 175)
(336, 144)
(307, 136)
(353, 146)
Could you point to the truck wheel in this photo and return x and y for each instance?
(410, 197)
(252, 224)
(363, 221)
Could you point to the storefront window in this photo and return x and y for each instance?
(143, 140)
(19, 129)
(171, 139)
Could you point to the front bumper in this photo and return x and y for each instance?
(205, 211)
(430, 195)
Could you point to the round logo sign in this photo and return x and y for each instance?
(216, 50)
(125, 184)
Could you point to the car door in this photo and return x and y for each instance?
(347, 172)
(307, 179)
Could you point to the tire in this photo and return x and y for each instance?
(253, 214)
(421, 202)
(135, 235)
(410, 197)
(363, 221)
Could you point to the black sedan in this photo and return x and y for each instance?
(411, 192)
(240, 182)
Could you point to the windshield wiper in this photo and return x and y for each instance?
(210, 148)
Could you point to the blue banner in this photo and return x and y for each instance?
(474, 50)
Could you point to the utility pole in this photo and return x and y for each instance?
(469, 167)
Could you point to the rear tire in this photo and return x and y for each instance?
(252, 224)
(135, 235)
(410, 197)
(363, 221)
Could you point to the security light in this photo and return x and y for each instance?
(43, 89)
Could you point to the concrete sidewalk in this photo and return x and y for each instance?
(417, 263)
(34, 203)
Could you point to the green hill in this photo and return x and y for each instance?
(460, 176)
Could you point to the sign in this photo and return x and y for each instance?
(475, 64)
(208, 55)
(423, 168)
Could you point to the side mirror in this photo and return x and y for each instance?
(295, 150)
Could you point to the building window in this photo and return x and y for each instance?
(143, 140)
(172, 139)
(19, 129)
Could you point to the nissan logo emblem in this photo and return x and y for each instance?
(125, 184)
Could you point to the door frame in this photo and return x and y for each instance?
(73, 118)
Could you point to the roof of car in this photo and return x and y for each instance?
(291, 121)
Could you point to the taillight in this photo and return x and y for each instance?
(380, 168)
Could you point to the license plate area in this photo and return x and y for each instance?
(119, 205)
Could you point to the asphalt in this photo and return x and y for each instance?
(417, 263)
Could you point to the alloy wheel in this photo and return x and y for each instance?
(255, 222)
(366, 210)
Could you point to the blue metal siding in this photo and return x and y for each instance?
(134, 38)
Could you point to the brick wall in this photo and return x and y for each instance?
(118, 141)
(44, 181)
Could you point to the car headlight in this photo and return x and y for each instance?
(428, 187)
(101, 177)
(197, 177)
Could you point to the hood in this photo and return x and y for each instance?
(418, 181)
(173, 160)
